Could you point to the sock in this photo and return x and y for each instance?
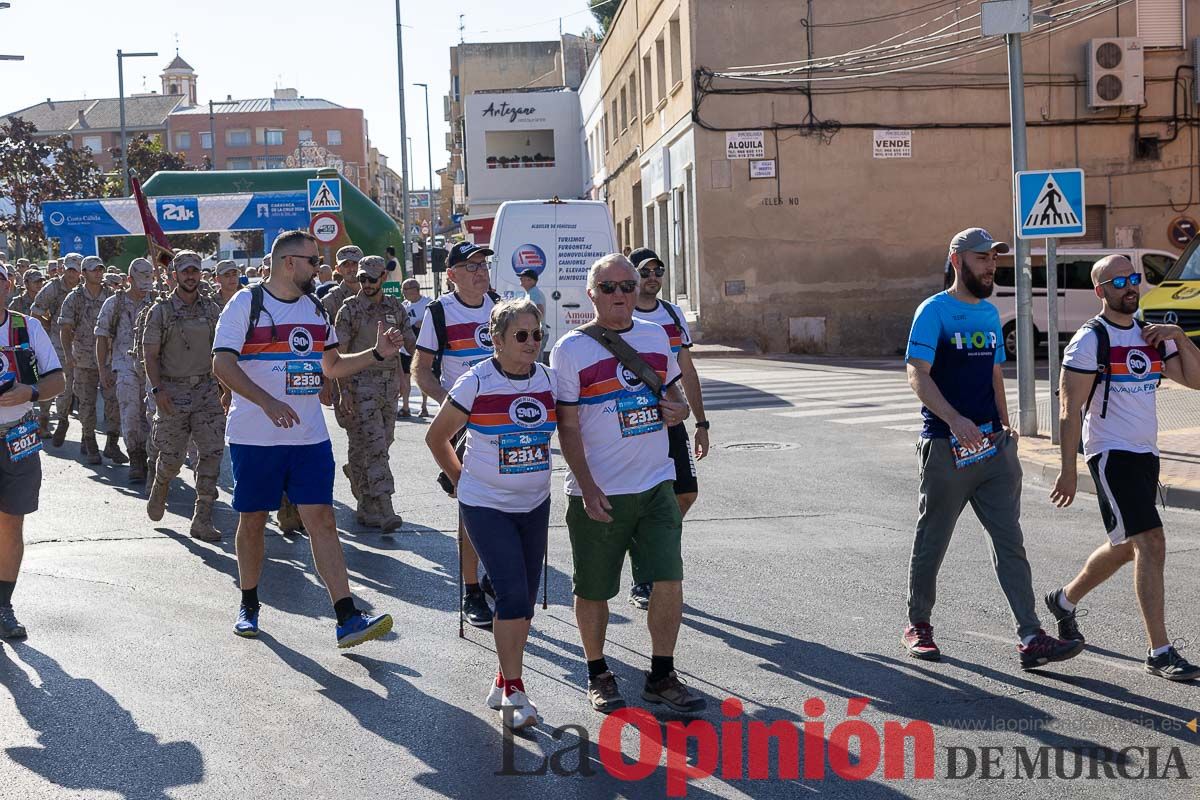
(250, 597)
(515, 685)
(473, 588)
(499, 678)
(6, 590)
(1063, 602)
(597, 667)
(661, 667)
(345, 609)
(1158, 651)
(1025, 640)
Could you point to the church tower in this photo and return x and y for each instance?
(180, 78)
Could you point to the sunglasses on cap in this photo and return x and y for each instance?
(1121, 281)
(523, 336)
(365, 278)
(609, 287)
(658, 272)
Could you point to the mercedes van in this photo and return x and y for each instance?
(1176, 299)
(559, 240)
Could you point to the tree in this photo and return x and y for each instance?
(75, 171)
(604, 11)
(146, 157)
(26, 179)
(250, 241)
(206, 244)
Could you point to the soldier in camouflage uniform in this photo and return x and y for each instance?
(370, 397)
(149, 407)
(348, 258)
(77, 327)
(177, 344)
(114, 340)
(33, 280)
(228, 282)
(46, 307)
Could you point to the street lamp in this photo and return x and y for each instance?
(429, 153)
(121, 56)
(4, 57)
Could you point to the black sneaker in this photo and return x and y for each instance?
(673, 693)
(1172, 666)
(10, 628)
(475, 610)
(1042, 649)
(603, 693)
(639, 595)
(485, 583)
(1068, 630)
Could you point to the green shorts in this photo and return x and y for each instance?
(646, 525)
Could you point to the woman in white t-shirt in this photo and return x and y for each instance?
(506, 403)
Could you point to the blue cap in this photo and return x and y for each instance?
(464, 250)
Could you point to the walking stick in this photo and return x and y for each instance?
(545, 578)
(461, 588)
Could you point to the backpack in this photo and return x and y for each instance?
(1104, 362)
(670, 309)
(437, 313)
(257, 298)
(139, 328)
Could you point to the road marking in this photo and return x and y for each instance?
(829, 412)
(910, 414)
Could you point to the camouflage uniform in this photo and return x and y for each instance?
(371, 425)
(117, 318)
(47, 305)
(184, 333)
(80, 310)
(22, 304)
(149, 407)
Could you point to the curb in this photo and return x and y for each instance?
(1044, 474)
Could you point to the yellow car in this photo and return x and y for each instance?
(1176, 300)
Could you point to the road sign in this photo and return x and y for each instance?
(424, 228)
(1050, 204)
(1181, 231)
(326, 228)
(324, 194)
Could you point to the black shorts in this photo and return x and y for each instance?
(680, 450)
(20, 482)
(1127, 488)
(406, 363)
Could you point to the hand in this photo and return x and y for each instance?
(108, 378)
(280, 413)
(346, 402)
(967, 432)
(1065, 486)
(388, 342)
(162, 401)
(226, 400)
(1157, 334)
(18, 394)
(701, 443)
(596, 505)
(326, 395)
(1013, 433)
(673, 413)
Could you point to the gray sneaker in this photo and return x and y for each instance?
(639, 595)
(1171, 665)
(10, 628)
(673, 693)
(603, 693)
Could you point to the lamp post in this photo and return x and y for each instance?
(121, 56)
(403, 136)
(428, 153)
(4, 57)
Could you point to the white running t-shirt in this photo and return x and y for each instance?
(467, 339)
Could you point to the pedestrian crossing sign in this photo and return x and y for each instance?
(324, 194)
(1050, 204)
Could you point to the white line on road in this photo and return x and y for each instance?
(913, 411)
(829, 412)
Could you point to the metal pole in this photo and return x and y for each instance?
(1026, 386)
(429, 154)
(121, 102)
(404, 176)
(1052, 333)
(212, 136)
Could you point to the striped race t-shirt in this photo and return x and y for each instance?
(624, 437)
(467, 339)
(283, 356)
(506, 465)
(679, 334)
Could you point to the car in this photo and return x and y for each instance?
(1077, 298)
(1176, 299)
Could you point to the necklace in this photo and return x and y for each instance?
(508, 380)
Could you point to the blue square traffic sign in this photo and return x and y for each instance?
(324, 194)
(1050, 204)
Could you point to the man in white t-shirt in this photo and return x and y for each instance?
(454, 337)
(612, 429)
(275, 366)
(415, 304)
(29, 372)
(1110, 375)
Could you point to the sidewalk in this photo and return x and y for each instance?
(1178, 441)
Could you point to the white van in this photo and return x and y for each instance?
(1077, 301)
(558, 239)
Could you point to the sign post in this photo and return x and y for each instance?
(1052, 334)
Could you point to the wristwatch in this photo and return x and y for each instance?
(375, 353)
(34, 394)
(703, 425)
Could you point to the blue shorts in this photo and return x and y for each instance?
(262, 474)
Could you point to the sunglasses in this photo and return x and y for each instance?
(369, 279)
(523, 336)
(471, 266)
(313, 261)
(609, 287)
(658, 272)
(1122, 281)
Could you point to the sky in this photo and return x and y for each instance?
(341, 50)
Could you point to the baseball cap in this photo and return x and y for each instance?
(528, 273)
(349, 253)
(227, 265)
(372, 266)
(33, 274)
(92, 262)
(976, 240)
(72, 261)
(186, 258)
(141, 272)
(114, 278)
(642, 255)
(464, 250)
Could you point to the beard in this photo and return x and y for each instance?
(308, 286)
(976, 284)
(1127, 303)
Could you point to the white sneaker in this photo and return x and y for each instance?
(523, 713)
(495, 697)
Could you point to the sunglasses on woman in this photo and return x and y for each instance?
(523, 336)
(646, 271)
(609, 287)
(1121, 281)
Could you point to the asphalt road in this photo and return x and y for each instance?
(132, 684)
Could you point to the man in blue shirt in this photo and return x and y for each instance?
(968, 452)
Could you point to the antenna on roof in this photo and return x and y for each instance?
(462, 26)
(177, 43)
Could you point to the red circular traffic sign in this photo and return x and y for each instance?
(325, 227)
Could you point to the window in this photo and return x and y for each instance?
(615, 129)
(604, 130)
(272, 162)
(333, 138)
(647, 95)
(624, 110)
(633, 103)
(183, 140)
(274, 138)
(238, 137)
(205, 140)
(93, 143)
(306, 136)
(519, 149)
(1160, 23)
(237, 163)
(676, 53)
(1156, 266)
(660, 62)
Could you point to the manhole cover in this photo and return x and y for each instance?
(760, 446)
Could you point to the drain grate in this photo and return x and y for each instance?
(760, 446)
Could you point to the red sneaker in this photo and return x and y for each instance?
(918, 641)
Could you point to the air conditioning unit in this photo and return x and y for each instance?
(1115, 76)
